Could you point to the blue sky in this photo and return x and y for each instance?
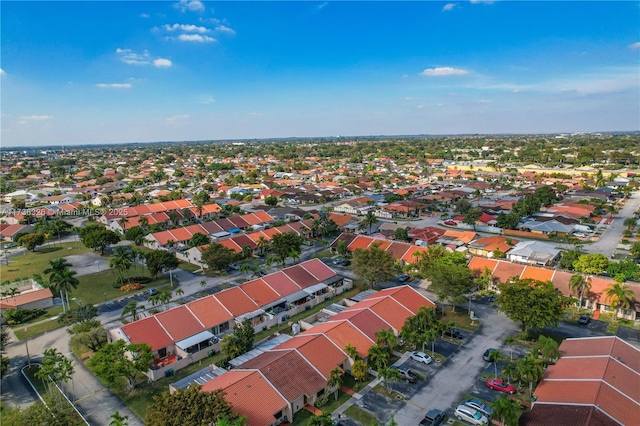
(101, 72)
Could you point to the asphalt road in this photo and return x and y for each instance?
(610, 238)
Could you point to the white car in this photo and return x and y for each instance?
(420, 357)
(479, 406)
(470, 415)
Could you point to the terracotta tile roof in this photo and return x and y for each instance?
(365, 320)
(290, 373)
(506, 270)
(239, 222)
(250, 394)
(230, 244)
(149, 331)
(319, 351)
(410, 255)
(479, 263)
(407, 297)
(25, 298)
(282, 284)
(398, 250)
(601, 371)
(360, 243)
(260, 292)
(391, 311)
(342, 334)
(180, 323)
(464, 236)
(236, 301)
(536, 273)
(318, 269)
(565, 415)
(300, 276)
(209, 311)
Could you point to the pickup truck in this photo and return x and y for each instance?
(433, 418)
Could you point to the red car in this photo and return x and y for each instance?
(450, 223)
(499, 385)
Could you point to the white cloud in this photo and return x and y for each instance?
(448, 7)
(208, 100)
(188, 28)
(2, 72)
(36, 117)
(196, 38)
(225, 29)
(162, 63)
(443, 71)
(144, 15)
(516, 91)
(323, 5)
(405, 75)
(482, 1)
(420, 106)
(189, 5)
(114, 85)
(635, 45)
(130, 57)
(177, 118)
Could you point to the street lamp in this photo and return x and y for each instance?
(105, 296)
(26, 345)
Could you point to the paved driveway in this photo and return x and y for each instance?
(447, 383)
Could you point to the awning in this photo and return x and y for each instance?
(315, 288)
(194, 340)
(272, 304)
(300, 294)
(234, 230)
(221, 234)
(250, 315)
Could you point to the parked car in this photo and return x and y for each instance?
(450, 223)
(486, 353)
(406, 374)
(403, 278)
(501, 386)
(151, 291)
(470, 415)
(433, 418)
(584, 319)
(420, 357)
(454, 333)
(345, 262)
(234, 266)
(478, 405)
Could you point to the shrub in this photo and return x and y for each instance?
(20, 316)
(131, 287)
(141, 280)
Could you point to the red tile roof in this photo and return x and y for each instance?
(250, 394)
(282, 284)
(318, 350)
(149, 331)
(536, 273)
(236, 301)
(179, 322)
(260, 292)
(209, 311)
(300, 276)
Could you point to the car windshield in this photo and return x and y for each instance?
(477, 416)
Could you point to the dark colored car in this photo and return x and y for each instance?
(433, 418)
(406, 374)
(486, 353)
(454, 333)
(345, 262)
(403, 278)
(584, 319)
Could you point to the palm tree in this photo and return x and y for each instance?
(180, 292)
(495, 356)
(352, 352)
(505, 410)
(510, 341)
(294, 255)
(389, 375)
(580, 286)
(510, 371)
(620, 296)
(246, 267)
(132, 309)
(121, 260)
(123, 223)
(386, 338)
(118, 420)
(335, 380)
(262, 244)
(63, 282)
(165, 297)
(369, 220)
(247, 251)
(530, 370)
(144, 220)
(547, 348)
(379, 356)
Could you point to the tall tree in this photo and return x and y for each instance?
(547, 350)
(594, 264)
(31, 241)
(530, 370)
(580, 285)
(189, 407)
(450, 280)
(505, 411)
(369, 221)
(533, 304)
(282, 245)
(218, 257)
(160, 261)
(374, 265)
(335, 380)
(132, 308)
(63, 282)
(119, 359)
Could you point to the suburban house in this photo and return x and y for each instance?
(25, 295)
(403, 252)
(188, 333)
(357, 206)
(596, 300)
(488, 246)
(534, 253)
(274, 385)
(9, 232)
(595, 381)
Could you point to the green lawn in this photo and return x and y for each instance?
(24, 266)
(332, 405)
(35, 329)
(359, 415)
(301, 418)
(188, 266)
(92, 287)
(460, 318)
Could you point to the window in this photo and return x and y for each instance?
(320, 393)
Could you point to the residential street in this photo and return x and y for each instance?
(610, 239)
